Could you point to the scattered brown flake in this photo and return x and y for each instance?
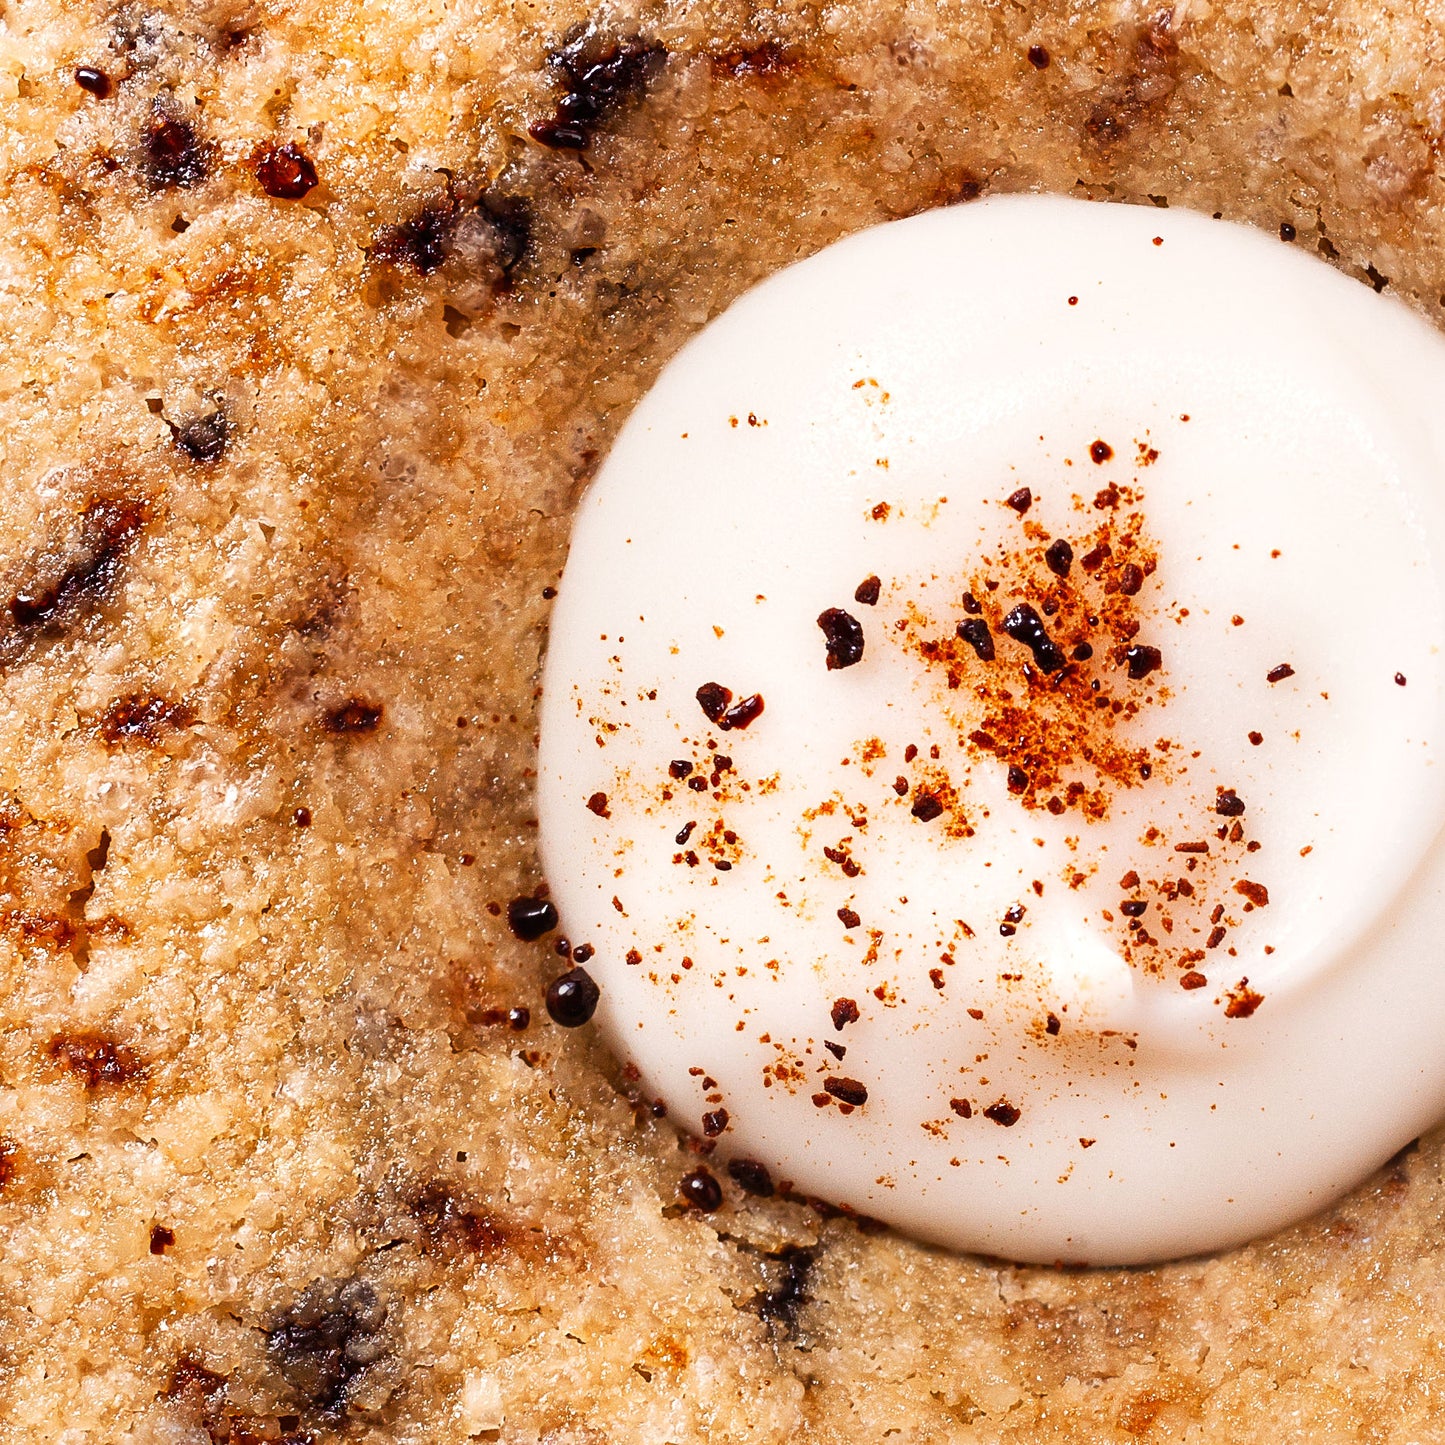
(845, 1011)
(1243, 1001)
(597, 803)
(1003, 1113)
(1279, 673)
(846, 1091)
(1257, 893)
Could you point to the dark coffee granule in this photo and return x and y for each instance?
(285, 172)
(698, 784)
(1007, 930)
(1021, 500)
(742, 714)
(714, 1123)
(843, 637)
(597, 803)
(1038, 57)
(518, 1019)
(1229, 804)
(700, 1190)
(961, 1107)
(1059, 557)
(868, 591)
(1003, 1113)
(1287, 231)
(301, 817)
(161, 1238)
(837, 1050)
(722, 865)
(679, 768)
(572, 997)
(900, 785)
(1133, 908)
(713, 698)
(1025, 626)
(1018, 780)
(848, 918)
(975, 632)
(203, 438)
(751, 1177)
(685, 832)
(531, 918)
(846, 1091)
(1082, 653)
(926, 807)
(1131, 579)
(1256, 738)
(845, 1011)
(92, 81)
(971, 604)
(1142, 661)
(1100, 451)
(1400, 679)
(583, 953)
(1216, 936)
(1278, 674)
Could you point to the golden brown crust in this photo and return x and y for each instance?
(285, 478)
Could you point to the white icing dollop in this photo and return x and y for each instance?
(919, 875)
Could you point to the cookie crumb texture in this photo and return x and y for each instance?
(316, 321)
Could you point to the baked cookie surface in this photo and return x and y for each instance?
(316, 320)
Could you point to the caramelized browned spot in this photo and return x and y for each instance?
(599, 73)
(139, 718)
(47, 929)
(355, 715)
(97, 1060)
(1142, 86)
(450, 1227)
(9, 1161)
(172, 153)
(63, 580)
(761, 61)
(423, 240)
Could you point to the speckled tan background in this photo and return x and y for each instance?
(283, 483)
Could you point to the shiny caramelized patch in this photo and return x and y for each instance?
(97, 1060)
(1051, 654)
(139, 718)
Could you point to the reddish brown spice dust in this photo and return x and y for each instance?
(1047, 704)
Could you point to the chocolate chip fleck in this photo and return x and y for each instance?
(846, 1091)
(572, 998)
(974, 631)
(868, 591)
(701, 1190)
(531, 918)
